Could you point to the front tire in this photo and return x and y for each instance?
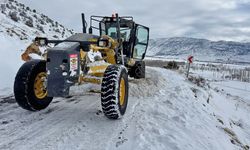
(30, 86)
(114, 91)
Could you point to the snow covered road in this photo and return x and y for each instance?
(165, 111)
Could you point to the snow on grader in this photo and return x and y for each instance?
(120, 49)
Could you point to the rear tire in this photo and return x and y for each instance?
(114, 91)
(138, 70)
(24, 86)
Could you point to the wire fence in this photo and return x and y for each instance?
(224, 71)
(218, 71)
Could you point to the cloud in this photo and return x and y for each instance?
(211, 19)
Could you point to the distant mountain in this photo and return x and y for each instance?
(202, 49)
(25, 23)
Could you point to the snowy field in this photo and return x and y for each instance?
(165, 111)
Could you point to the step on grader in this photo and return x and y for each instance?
(118, 50)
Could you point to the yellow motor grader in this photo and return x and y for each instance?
(117, 52)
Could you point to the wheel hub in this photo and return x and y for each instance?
(122, 92)
(40, 88)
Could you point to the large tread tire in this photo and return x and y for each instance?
(110, 91)
(138, 70)
(24, 86)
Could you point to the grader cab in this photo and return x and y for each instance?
(116, 53)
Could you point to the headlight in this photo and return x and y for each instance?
(103, 43)
(41, 41)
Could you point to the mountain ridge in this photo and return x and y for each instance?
(25, 23)
(203, 49)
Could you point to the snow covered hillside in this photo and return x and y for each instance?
(202, 49)
(19, 25)
(165, 111)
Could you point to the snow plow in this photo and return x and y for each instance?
(106, 58)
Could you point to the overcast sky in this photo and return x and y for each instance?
(210, 19)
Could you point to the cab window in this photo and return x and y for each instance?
(125, 33)
(141, 42)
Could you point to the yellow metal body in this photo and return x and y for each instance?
(109, 51)
(83, 55)
(108, 55)
(98, 70)
(33, 48)
(39, 85)
(90, 80)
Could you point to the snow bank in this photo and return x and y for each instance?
(10, 61)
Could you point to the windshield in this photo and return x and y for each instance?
(125, 33)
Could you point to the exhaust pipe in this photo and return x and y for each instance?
(83, 23)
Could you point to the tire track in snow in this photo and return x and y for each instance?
(30, 126)
(55, 126)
